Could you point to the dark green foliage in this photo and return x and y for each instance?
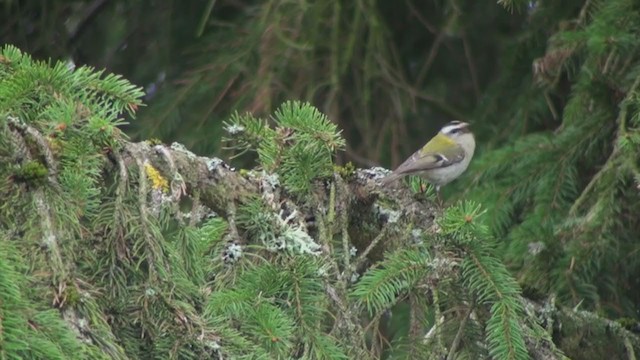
(379, 288)
(489, 281)
(478, 283)
(562, 187)
(516, 4)
(26, 332)
(273, 305)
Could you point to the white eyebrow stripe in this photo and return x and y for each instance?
(447, 129)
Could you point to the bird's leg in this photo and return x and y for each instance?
(423, 187)
(439, 197)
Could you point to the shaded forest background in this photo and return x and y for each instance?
(382, 70)
(550, 88)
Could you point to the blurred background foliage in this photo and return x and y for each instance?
(549, 86)
(382, 70)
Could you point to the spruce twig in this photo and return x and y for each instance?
(612, 161)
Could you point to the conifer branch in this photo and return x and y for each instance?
(612, 162)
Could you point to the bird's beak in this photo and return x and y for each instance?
(464, 128)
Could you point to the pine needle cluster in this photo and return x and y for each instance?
(299, 149)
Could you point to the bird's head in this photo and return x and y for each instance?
(455, 129)
(460, 133)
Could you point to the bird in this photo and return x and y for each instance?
(443, 159)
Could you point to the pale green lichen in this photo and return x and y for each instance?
(323, 271)
(296, 239)
(536, 248)
(417, 236)
(354, 277)
(234, 129)
(353, 251)
(289, 237)
(232, 253)
(392, 216)
(272, 179)
(213, 164)
(374, 172)
(176, 146)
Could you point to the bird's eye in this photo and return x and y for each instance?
(455, 131)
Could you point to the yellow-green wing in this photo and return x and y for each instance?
(427, 159)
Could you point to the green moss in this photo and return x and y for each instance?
(347, 171)
(31, 172)
(628, 323)
(72, 296)
(154, 141)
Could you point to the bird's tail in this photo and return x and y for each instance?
(391, 178)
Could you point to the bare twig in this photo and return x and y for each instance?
(456, 341)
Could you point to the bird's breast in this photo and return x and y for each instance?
(443, 176)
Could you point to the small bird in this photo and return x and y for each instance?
(445, 157)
